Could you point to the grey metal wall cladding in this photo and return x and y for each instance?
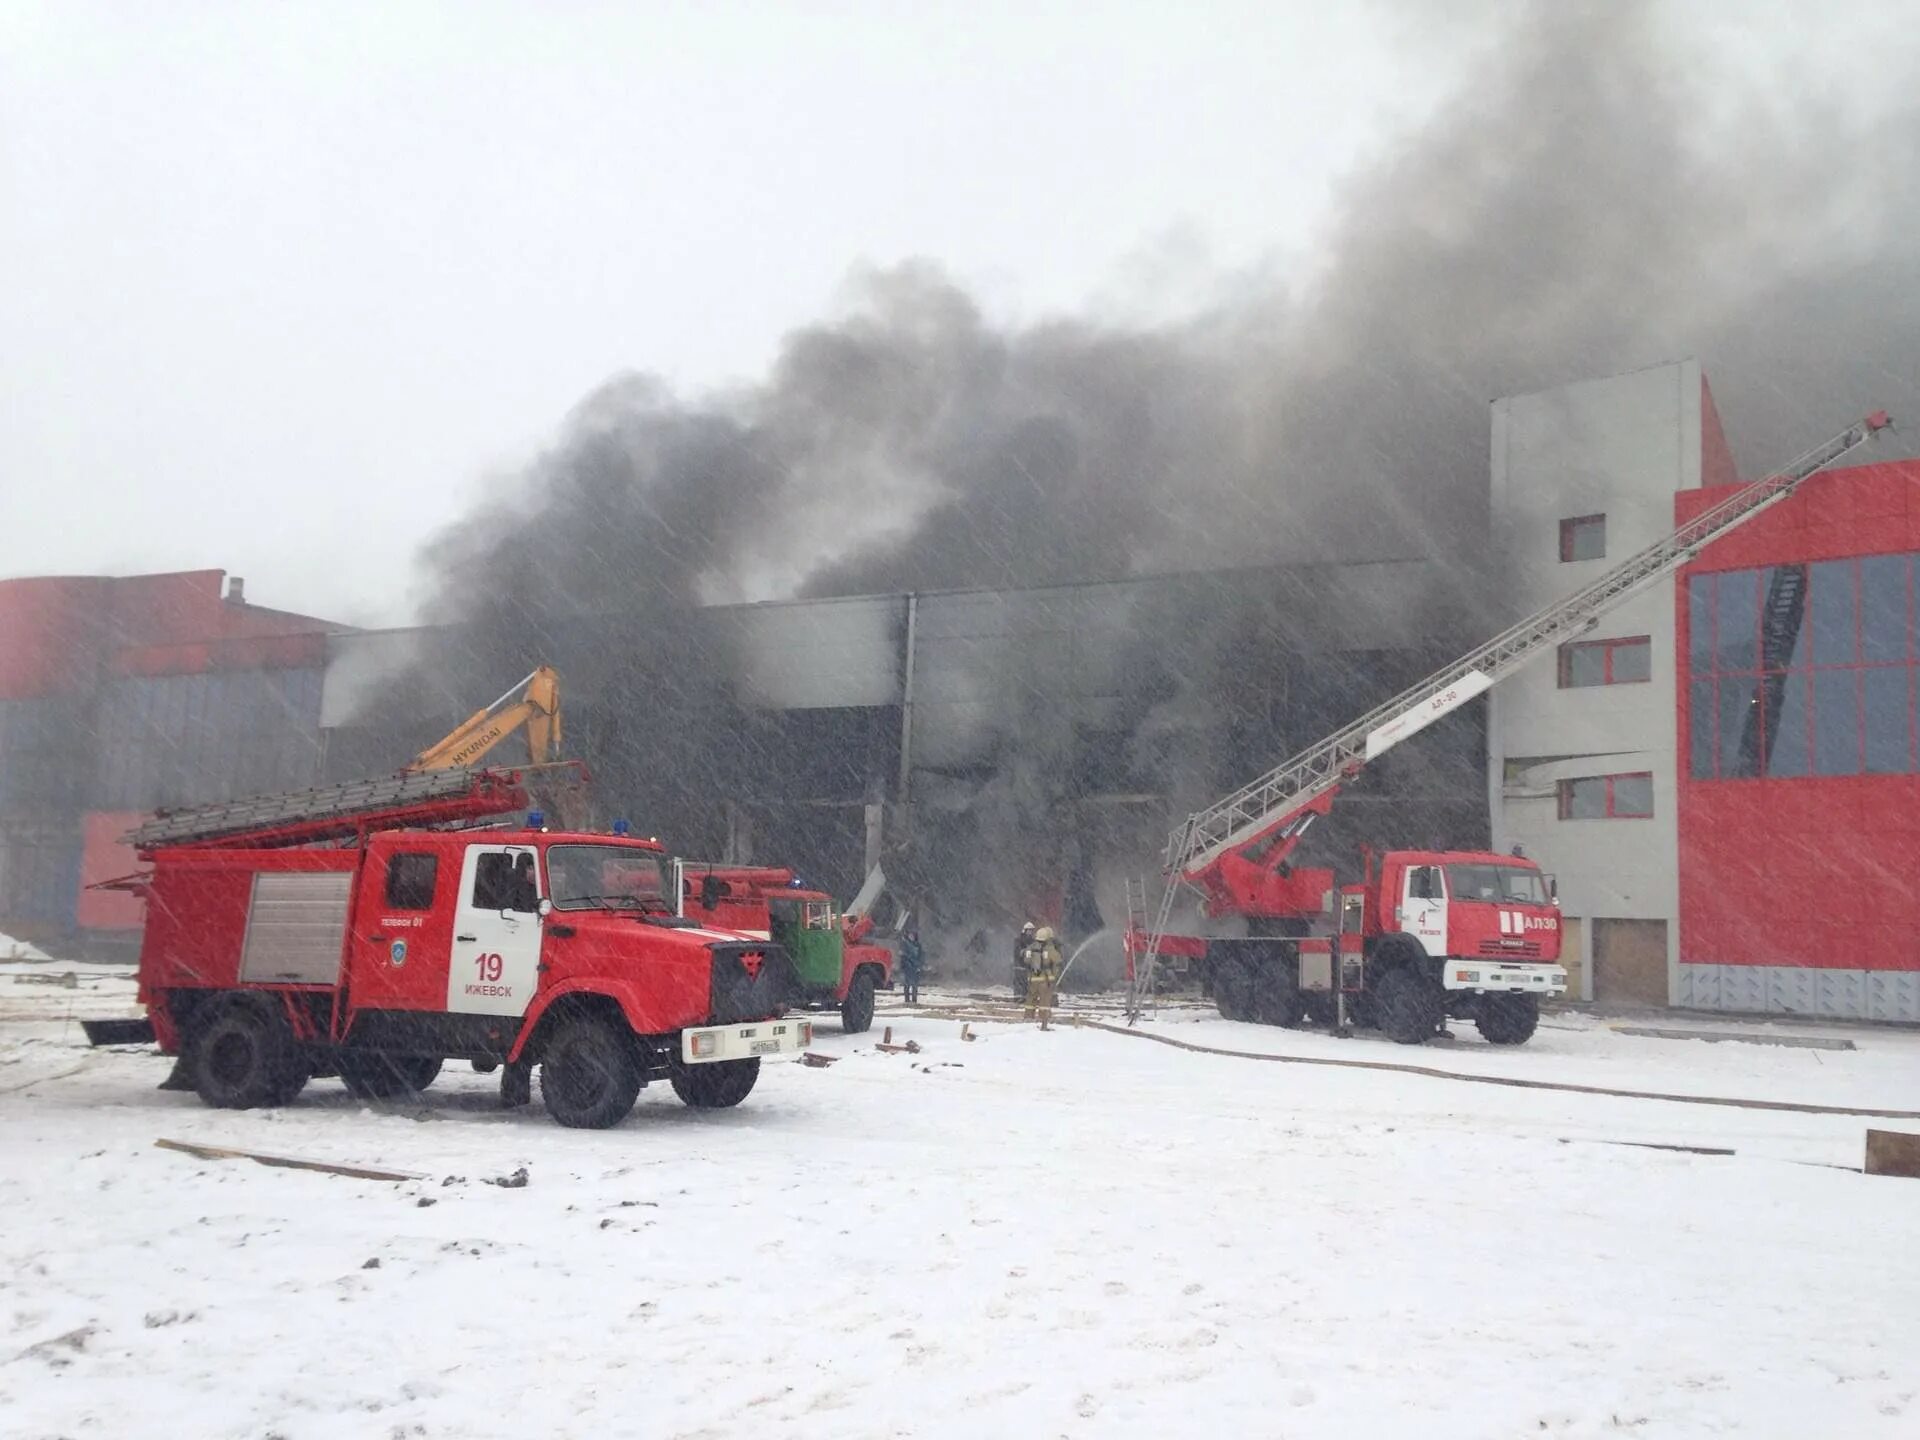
(296, 927)
(814, 654)
(39, 873)
(184, 739)
(46, 749)
(1801, 990)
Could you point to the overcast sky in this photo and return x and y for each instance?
(285, 284)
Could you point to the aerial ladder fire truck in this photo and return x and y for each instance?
(1428, 934)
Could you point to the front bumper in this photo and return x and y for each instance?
(1499, 977)
(709, 1044)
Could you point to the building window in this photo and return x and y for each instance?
(410, 880)
(1608, 797)
(1583, 538)
(1803, 670)
(1625, 661)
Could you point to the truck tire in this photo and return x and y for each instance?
(1507, 1019)
(1276, 994)
(856, 1011)
(715, 1086)
(1233, 990)
(1409, 1005)
(370, 1076)
(588, 1078)
(245, 1057)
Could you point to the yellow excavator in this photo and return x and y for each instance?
(537, 710)
(559, 787)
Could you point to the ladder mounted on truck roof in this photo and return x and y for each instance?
(337, 812)
(1271, 802)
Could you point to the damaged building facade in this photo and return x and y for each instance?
(1001, 753)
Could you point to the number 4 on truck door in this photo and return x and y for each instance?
(496, 932)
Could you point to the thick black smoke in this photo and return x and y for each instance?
(1566, 214)
(1563, 217)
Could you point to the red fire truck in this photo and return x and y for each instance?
(369, 931)
(1428, 934)
(833, 963)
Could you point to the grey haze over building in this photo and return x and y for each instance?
(294, 290)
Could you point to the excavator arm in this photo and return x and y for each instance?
(537, 711)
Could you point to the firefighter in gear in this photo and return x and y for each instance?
(1043, 973)
(1020, 944)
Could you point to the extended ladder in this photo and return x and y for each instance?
(1259, 807)
(299, 817)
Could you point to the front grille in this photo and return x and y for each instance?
(750, 981)
(1527, 949)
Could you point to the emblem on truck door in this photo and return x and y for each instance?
(397, 952)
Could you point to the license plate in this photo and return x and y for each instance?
(764, 1047)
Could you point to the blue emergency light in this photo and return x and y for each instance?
(620, 827)
(535, 819)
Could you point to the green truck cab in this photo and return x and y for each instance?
(835, 963)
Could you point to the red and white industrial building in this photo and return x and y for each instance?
(1724, 776)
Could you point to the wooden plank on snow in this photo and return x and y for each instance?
(285, 1162)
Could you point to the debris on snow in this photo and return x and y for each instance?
(286, 1162)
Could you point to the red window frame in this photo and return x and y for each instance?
(1607, 647)
(1571, 526)
(1612, 812)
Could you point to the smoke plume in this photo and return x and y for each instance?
(1567, 214)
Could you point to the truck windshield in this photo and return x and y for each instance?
(1512, 884)
(605, 877)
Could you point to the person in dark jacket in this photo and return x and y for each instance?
(1020, 944)
(913, 961)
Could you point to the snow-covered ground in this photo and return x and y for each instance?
(1035, 1234)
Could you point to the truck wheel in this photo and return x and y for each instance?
(244, 1057)
(1276, 996)
(717, 1085)
(856, 1011)
(387, 1077)
(1507, 1019)
(1409, 1005)
(1233, 990)
(588, 1080)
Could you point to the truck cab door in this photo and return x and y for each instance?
(1423, 907)
(495, 962)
